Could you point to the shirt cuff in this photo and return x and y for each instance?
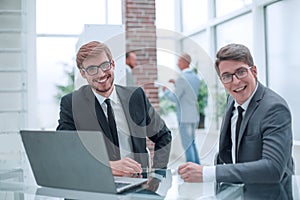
(209, 173)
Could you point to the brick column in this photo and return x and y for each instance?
(139, 19)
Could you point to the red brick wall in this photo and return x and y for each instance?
(139, 20)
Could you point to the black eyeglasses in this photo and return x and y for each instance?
(239, 73)
(93, 69)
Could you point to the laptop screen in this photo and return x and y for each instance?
(69, 160)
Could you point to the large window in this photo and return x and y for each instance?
(283, 54)
(54, 58)
(58, 25)
(165, 14)
(237, 30)
(228, 6)
(194, 14)
(68, 17)
(201, 40)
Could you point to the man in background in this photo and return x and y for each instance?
(185, 96)
(130, 64)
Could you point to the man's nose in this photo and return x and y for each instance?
(100, 72)
(235, 78)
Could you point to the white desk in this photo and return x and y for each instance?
(12, 187)
(168, 187)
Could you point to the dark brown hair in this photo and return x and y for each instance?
(236, 52)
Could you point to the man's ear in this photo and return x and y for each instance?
(254, 71)
(113, 64)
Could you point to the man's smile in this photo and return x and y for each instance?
(240, 89)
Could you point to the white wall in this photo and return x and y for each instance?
(17, 80)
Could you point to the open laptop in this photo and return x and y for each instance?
(74, 160)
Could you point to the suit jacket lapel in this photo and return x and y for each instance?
(225, 135)
(94, 107)
(84, 110)
(124, 96)
(250, 110)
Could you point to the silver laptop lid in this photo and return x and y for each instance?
(69, 160)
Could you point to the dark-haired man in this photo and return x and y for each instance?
(255, 144)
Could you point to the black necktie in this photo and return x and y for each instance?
(237, 129)
(112, 123)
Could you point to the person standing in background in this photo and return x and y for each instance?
(130, 65)
(185, 96)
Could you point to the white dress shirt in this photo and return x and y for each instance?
(209, 172)
(124, 138)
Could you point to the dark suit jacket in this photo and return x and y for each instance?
(80, 111)
(264, 143)
(275, 191)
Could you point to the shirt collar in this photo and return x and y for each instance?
(246, 103)
(128, 67)
(187, 70)
(113, 96)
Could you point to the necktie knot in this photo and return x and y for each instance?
(107, 101)
(240, 110)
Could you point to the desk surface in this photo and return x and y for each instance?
(169, 186)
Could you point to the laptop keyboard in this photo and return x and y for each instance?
(121, 184)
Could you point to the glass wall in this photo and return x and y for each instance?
(268, 28)
(209, 24)
(201, 39)
(165, 14)
(58, 25)
(283, 53)
(225, 7)
(55, 57)
(194, 14)
(237, 30)
(67, 17)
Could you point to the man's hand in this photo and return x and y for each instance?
(191, 172)
(125, 167)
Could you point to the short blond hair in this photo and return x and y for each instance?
(90, 49)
